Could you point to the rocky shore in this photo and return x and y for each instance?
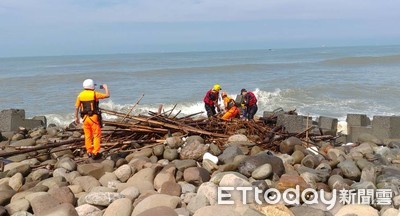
(181, 176)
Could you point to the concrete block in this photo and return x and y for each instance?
(292, 123)
(386, 127)
(12, 119)
(356, 131)
(41, 118)
(328, 125)
(358, 120)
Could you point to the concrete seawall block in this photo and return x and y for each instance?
(12, 119)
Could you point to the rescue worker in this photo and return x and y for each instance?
(211, 100)
(231, 110)
(87, 104)
(250, 102)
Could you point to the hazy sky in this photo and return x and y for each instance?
(65, 27)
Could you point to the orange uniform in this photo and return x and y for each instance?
(91, 125)
(230, 107)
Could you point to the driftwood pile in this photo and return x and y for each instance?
(130, 133)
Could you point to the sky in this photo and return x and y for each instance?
(75, 27)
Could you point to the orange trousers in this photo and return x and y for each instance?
(232, 113)
(92, 130)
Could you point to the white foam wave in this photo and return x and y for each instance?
(288, 99)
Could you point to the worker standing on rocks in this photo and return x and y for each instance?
(250, 102)
(231, 110)
(87, 104)
(211, 100)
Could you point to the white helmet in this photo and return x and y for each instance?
(88, 84)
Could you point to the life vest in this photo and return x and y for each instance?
(210, 97)
(90, 108)
(251, 99)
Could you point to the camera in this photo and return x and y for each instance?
(101, 87)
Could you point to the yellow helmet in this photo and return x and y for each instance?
(217, 87)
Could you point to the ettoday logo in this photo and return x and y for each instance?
(294, 196)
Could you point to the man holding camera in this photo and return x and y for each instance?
(87, 104)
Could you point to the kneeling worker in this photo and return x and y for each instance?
(87, 103)
(211, 100)
(232, 111)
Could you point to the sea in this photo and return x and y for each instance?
(327, 81)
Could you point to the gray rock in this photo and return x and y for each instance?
(94, 169)
(248, 165)
(142, 153)
(17, 137)
(187, 188)
(63, 195)
(170, 154)
(41, 204)
(131, 193)
(171, 188)
(262, 172)
(287, 146)
(156, 200)
(350, 170)
(195, 139)
(174, 142)
(219, 210)
(87, 210)
(237, 138)
(24, 169)
(65, 209)
(59, 152)
(158, 150)
(209, 190)
(309, 211)
(353, 209)
(86, 182)
(182, 212)
(106, 178)
(160, 210)
(197, 203)
(123, 173)
(66, 163)
(143, 179)
(103, 189)
(22, 213)
(5, 196)
(19, 205)
(229, 154)
(120, 207)
(209, 165)
(184, 164)
(196, 175)
(214, 149)
(39, 174)
(16, 181)
(102, 198)
(166, 174)
(24, 142)
(193, 150)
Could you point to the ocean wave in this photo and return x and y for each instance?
(302, 100)
(360, 60)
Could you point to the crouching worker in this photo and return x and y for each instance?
(87, 104)
(211, 100)
(250, 101)
(232, 111)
